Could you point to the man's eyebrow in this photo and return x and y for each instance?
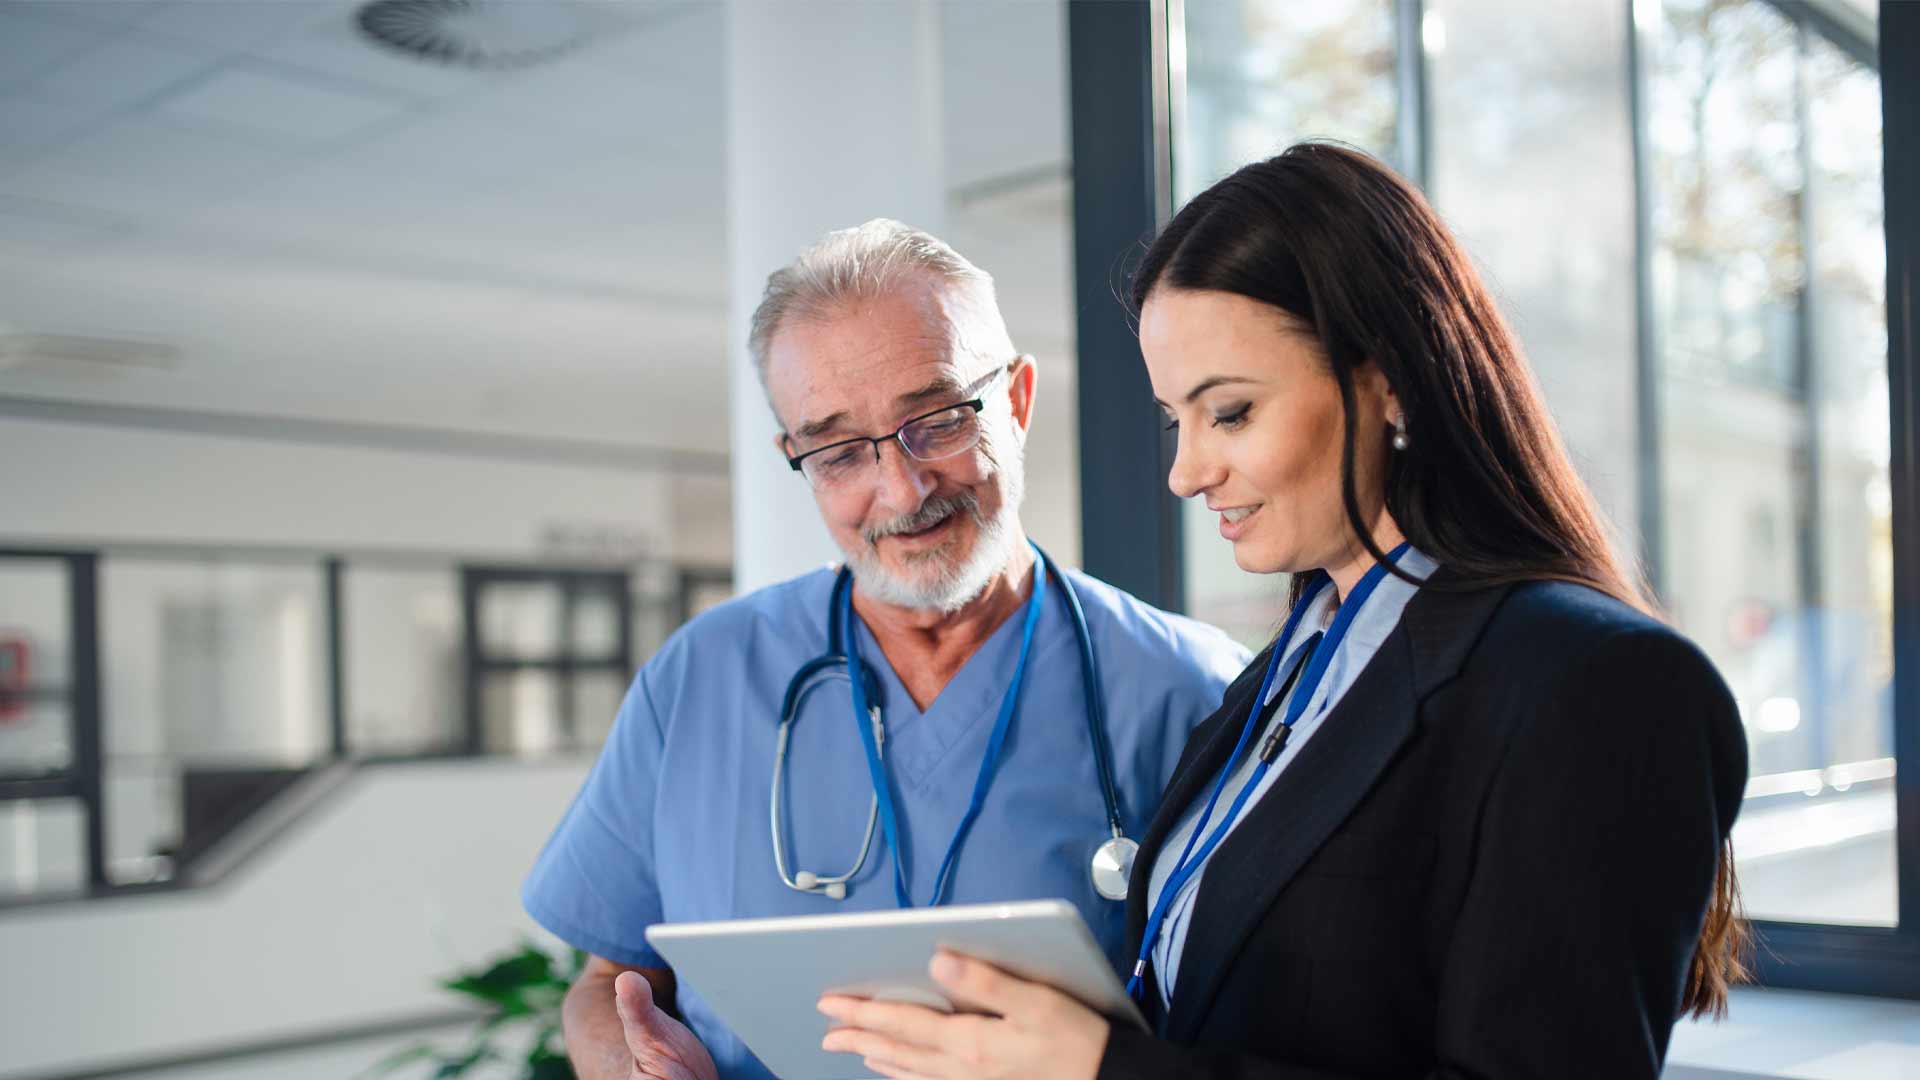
(944, 386)
(1209, 383)
(814, 428)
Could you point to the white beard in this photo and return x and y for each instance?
(954, 583)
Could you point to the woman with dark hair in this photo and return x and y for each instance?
(1467, 815)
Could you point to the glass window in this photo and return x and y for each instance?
(1766, 500)
(36, 738)
(1529, 117)
(145, 820)
(206, 666)
(1260, 76)
(42, 847)
(213, 662)
(35, 634)
(595, 630)
(520, 620)
(402, 644)
(1776, 512)
(1263, 74)
(36, 733)
(520, 712)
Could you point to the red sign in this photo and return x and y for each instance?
(15, 655)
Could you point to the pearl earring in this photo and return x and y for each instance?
(1400, 440)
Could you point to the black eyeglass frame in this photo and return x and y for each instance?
(977, 404)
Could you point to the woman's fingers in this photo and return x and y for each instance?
(981, 985)
(911, 1024)
(884, 1053)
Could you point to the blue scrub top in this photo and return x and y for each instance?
(672, 823)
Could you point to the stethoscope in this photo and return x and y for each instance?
(1112, 863)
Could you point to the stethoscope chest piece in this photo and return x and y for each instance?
(1113, 867)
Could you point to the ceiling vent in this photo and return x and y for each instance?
(488, 34)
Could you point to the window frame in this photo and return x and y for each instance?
(81, 779)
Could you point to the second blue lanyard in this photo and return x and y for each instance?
(1309, 665)
(876, 768)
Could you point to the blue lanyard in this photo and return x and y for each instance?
(877, 771)
(1308, 664)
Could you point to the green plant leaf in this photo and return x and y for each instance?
(399, 1058)
(507, 981)
(518, 987)
(459, 1066)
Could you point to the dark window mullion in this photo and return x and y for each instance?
(1900, 103)
(63, 785)
(84, 624)
(1413, 121)
(563, 685)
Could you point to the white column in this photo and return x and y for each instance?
(833, 118)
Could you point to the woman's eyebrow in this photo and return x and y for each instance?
(1213, 381)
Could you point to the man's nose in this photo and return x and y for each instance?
(904, 482)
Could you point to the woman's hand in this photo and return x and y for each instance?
(1035, 1030)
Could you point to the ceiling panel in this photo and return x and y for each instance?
(27, 127)
(108, 15)
(282, 104)
(228, 25)
(35, 39)
(147, 167)
(119, 73)
(42, 231)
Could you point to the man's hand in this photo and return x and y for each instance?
(619, 1026)
(662, 1047)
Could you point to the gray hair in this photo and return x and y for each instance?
(865, 262)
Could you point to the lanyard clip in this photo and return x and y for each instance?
(1276, 742)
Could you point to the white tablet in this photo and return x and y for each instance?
(763, 976)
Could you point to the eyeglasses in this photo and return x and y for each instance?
(932, 436)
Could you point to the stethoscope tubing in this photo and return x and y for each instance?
(837, 657)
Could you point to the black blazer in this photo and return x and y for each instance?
(1491, 861)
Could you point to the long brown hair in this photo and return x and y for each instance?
(1336, 239)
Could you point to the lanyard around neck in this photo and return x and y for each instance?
(876, 769)
(1307, 666)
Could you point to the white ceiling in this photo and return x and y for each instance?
(282, 218)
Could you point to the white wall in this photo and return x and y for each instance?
(88, 482)
(404, 875)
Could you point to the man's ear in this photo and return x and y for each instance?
(1022, 384)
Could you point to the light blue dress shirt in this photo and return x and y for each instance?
(1375, 620)
(672, 823)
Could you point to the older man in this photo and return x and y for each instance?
(905, 407)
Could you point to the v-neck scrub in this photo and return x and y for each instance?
(672, 823)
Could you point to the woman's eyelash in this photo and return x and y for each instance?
(1232, 419)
